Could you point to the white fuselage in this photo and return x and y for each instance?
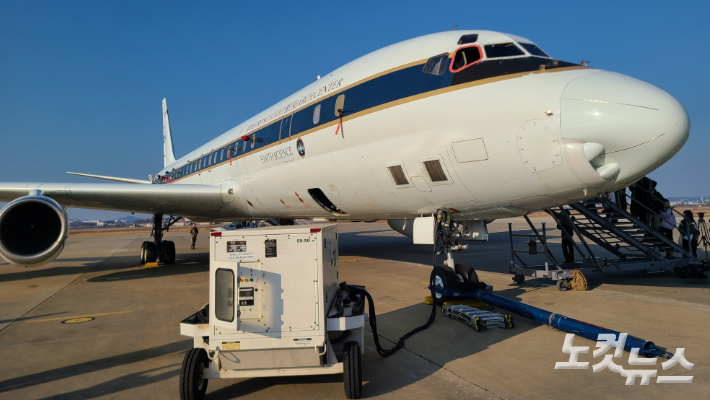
(507, 143)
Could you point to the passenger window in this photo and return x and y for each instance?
(316, 114)
(339, 104)
(436, 65)
(503, 50)
(534, 50)
(224, 295)
(466, 56)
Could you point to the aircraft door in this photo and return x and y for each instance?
(285, 133)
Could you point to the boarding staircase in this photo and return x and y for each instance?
(605, 223)
(633, 244)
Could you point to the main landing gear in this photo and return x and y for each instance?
(159, 249)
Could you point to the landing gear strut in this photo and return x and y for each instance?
(448, 237)
(159, 249)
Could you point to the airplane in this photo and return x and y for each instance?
(472, 125)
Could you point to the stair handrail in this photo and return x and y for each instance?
(677, 227)
(626, 237)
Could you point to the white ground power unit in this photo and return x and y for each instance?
(271, 291)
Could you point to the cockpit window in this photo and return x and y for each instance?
(534, 50)
(437, 64)
(503, 50)
(466, 56)
(470, 38)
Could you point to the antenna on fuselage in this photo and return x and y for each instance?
(454, 27)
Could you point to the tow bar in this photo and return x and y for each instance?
(560, 322)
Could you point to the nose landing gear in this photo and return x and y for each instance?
(159, 249)
(448, 239)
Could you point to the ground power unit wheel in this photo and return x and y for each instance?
(352, 370)
(169, 249)
(444, 278)
(193, 385)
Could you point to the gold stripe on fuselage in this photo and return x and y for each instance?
(383, 106)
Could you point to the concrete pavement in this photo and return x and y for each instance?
(132, 348)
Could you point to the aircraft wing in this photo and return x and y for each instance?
(192, 201)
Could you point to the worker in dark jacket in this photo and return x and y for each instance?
(657, 204)
(193, 233)
(640, 199)
(689, 232)
(567, 230)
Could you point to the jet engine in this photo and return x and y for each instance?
(32, 230)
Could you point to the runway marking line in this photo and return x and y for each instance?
(78, 316)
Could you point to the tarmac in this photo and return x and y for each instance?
(96, 324)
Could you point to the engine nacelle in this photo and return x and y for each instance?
(32, 230)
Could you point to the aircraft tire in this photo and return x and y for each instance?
(352, 370)
(169, 249)
(466, 273)
(442, 277)
(151, 252)
(143, 247)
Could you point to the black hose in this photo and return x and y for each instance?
(373, 321)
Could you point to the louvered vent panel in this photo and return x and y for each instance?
(435, 171)
(398, 175)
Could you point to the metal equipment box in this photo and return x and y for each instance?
(270, 290)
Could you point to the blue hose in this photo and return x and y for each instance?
(557, 321)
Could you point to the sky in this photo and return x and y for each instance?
(81, 82)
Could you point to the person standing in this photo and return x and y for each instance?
(620, 199)
(567, 230)
(193, 233)
(689, 232)
(667, 221)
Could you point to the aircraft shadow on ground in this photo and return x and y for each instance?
(31, 318)
(496, 253)
(121, 383)
(83, 265)
(184, 264)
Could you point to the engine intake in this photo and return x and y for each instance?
(32, 230)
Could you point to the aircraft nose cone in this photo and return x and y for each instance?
(638, 125)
